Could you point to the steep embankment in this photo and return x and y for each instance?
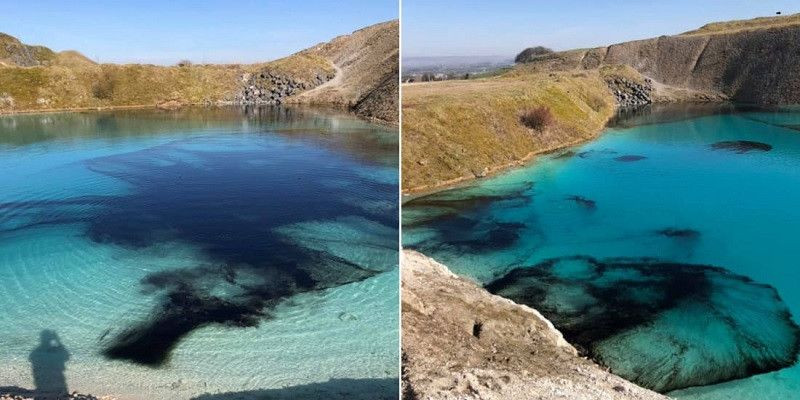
(461, 342)
(753, 61)
(34, 78)
(458, 130)
(368, 68)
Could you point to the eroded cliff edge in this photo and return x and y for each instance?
(459, 130)
(753, 61)
(461, 342)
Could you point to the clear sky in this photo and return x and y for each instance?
(166, 31)
(505, 27)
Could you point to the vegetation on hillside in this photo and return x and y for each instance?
(36, 78)
(455, 130)
(746, 24)
(531, 52)
(14, 52)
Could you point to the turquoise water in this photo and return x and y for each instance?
(665, 249)
(228, 253)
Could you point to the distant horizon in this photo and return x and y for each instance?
(211, 32)
(506, 27)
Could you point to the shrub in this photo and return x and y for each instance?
(537, 118)
(530, 52)
(184, 63)
(103, 88)
(596, 103)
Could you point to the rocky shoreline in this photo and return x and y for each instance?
(38, 396)
(461, 342)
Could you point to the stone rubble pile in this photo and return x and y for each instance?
(266, 88)
(629, 93)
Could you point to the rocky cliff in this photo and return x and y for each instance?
(753, 61)
(461, 342)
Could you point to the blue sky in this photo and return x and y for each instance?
(504, 27)
(165, 31)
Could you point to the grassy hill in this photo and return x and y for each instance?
(34, 78)
(747, 24)
(458, 130)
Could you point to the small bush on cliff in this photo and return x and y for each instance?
(103, 87)
(537, 118)
(525, 55)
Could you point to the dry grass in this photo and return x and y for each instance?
(454, 129)
(301, 66)
(368, 64)
(747, 24)
(109, 85)
(74, 82)
(34, 78)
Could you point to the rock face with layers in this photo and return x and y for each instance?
(753, 61)
(461, 342)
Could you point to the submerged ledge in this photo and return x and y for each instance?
(461, 342)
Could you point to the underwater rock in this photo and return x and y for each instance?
(346, 316)
(565, 155)
(455, 220)
(679, 233)
(741, 146)
(664, 326)
(629, 158)
(589, 153)
(583, 201)
(460, 200)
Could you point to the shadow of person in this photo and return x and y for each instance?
(48, 363)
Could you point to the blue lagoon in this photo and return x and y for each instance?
(199, 253)
(664, 250)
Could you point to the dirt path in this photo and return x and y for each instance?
(337, 79)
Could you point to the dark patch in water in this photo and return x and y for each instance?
(652, 322)
(741, 146)
(681, 233)
(475, 235)
(459, 220)
(629, 158)
(184, 309)
(222, 204)
(565, 155)
(582, 201)
(459, 201)
(590, 153)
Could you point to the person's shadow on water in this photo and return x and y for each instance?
(48, 363)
